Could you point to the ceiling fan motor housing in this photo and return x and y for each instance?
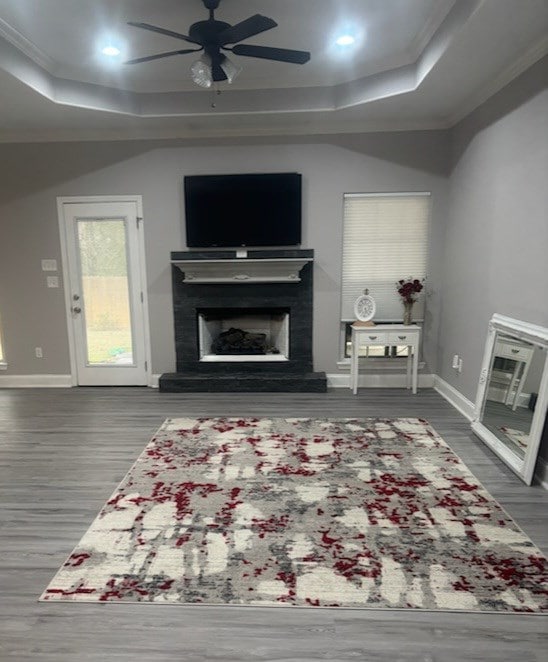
(211, 4)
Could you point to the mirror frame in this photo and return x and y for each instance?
(538, 335)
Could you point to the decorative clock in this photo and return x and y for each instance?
(365, 307)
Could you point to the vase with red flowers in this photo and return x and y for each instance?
(409, 290)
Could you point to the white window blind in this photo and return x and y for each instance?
(385, 239)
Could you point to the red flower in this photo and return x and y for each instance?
(408, 289)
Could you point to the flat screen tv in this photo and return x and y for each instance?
(243, 210)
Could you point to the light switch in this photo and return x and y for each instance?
(53, 281)
(49, 265)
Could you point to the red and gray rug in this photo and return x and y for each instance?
(366, 513)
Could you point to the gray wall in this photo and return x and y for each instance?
(33, 175)
(496, 250)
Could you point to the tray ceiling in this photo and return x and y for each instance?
(419, 64)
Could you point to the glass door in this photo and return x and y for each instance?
(106, 302)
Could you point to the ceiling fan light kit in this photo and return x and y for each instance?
(213, 37)
(200, 71)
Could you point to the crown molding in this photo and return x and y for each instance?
(15, 38)
(530, 57)
(423, 37)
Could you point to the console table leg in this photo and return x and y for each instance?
(415, 369)
(354, 367)
(409, 363)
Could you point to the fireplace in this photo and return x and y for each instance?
(243, 323)
(235, 335)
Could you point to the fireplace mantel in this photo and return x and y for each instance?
(254, 267)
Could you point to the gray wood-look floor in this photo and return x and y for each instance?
(63, 452)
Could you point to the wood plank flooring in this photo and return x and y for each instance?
(63, 452)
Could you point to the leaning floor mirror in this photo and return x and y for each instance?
(512, 396)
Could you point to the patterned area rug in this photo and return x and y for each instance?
(517, 437)
(367, 513)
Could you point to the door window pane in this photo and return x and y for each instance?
(102, 249)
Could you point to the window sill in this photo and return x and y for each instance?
(398, 364)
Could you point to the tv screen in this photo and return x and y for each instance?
(243, 210)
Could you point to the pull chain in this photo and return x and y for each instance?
(214, 93)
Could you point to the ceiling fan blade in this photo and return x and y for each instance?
(248, 28)
(267, 53)
(148, 58)
(169, 33)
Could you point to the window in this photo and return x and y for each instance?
(385, 239)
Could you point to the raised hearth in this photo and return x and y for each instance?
(243, 382)
(265, 299)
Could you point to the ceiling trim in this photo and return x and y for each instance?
(26, 46)
(196, 135)
(422, 38)
(528, 59)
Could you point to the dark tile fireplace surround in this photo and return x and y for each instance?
(262, 281)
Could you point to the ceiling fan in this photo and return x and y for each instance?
(212, 37)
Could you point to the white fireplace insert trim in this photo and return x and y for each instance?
(275, 327)
(264, 270)
(239, 358)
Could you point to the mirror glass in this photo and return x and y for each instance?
(512, 391)
(511, 402)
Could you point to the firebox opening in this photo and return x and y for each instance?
(236, 334)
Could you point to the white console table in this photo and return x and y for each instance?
(386, 334)
(522, 354)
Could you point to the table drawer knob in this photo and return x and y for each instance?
(402, 337)
(515, 351)
(372, 337)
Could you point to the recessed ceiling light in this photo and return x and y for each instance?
(345, 40)
(111, 51)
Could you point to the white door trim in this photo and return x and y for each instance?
(138, 201)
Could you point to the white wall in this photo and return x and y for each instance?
(32, 176)
(496, 251)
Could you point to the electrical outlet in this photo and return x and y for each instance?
(459, 367)
(455, 363)
(49, 265)
(53, 281)
(38, 352)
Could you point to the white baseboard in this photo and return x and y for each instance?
(377, 381)
(35, 381)
(455, 398)
(48, 381)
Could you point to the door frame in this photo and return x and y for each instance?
(93, 199)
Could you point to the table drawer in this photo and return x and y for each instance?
(372, 338)
(402, 338)
(513, 351)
